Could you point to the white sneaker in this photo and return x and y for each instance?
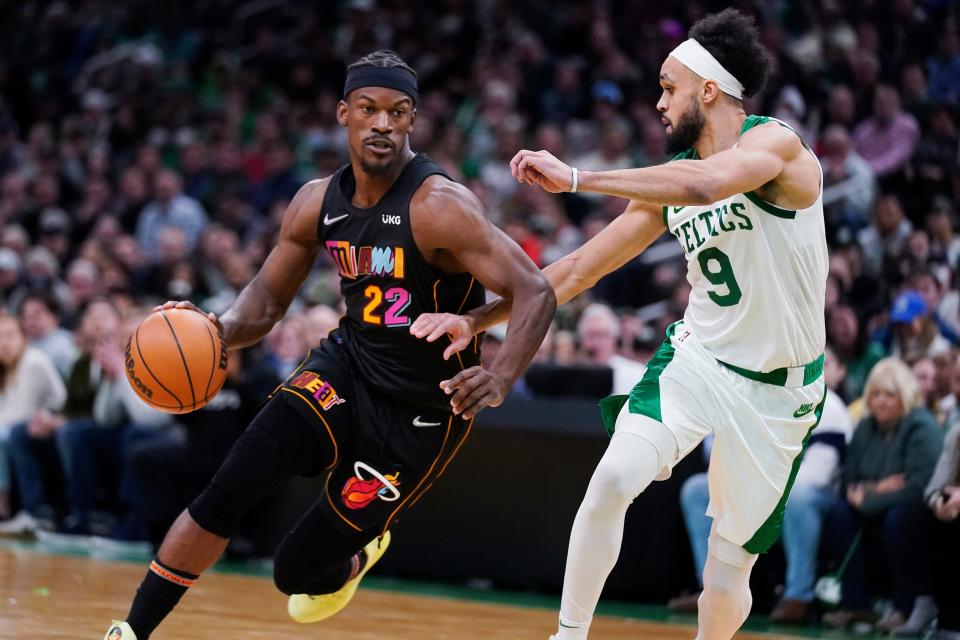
(923, 616)
(119, 630)
(22, 524)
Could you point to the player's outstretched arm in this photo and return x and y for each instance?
(264, 301)
(760, 157)
(453, 233)
(620, 241)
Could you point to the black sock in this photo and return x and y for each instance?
(158, 594)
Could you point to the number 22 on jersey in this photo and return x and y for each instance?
(386, 307)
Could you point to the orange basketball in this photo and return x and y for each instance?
(175, 360)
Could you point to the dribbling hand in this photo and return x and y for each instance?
(474, 389)
(186, 304)
(432, 326)
(543, 169)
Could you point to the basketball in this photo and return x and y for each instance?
(175, 360)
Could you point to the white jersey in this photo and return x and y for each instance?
(758, 275)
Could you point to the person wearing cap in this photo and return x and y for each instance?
(915, 334)
(742, 197)
(607, 108)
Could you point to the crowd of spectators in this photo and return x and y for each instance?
(148, 151)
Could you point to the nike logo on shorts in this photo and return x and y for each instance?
(417, 422)
(803, 410)
(328, 220)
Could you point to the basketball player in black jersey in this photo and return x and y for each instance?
(365, 407)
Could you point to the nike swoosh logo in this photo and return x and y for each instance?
(678, 209)
(417, 422)
(803, 410)
(328, 220)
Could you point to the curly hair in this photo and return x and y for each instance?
(732, 38)
(383, 58)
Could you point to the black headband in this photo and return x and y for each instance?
(389, 77)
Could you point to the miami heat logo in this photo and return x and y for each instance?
(368, 484)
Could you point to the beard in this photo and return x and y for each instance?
(377, 166)
(687, 130)
(377, 169)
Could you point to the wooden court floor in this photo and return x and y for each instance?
(52, 597)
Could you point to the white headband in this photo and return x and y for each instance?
(694, 57)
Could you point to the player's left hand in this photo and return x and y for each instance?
(542, 168)
(433, 326)
(473, 389)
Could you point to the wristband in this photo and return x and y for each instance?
(576, 179)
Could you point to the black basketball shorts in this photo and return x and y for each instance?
(384, 454)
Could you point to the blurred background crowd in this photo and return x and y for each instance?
(148, 151)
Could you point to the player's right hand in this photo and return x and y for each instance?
(186, 304)
(433, 326)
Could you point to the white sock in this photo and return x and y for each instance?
(726, 599)
(628, 466)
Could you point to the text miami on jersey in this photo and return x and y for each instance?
(384, 306)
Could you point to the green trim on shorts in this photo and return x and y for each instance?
(778, 377)
(769, 531)
(644, 398)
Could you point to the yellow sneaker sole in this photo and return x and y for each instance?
(306, 609)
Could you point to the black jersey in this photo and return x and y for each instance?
(387, 283)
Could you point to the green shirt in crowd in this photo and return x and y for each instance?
(911, 449)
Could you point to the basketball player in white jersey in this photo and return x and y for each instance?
(743, 198)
